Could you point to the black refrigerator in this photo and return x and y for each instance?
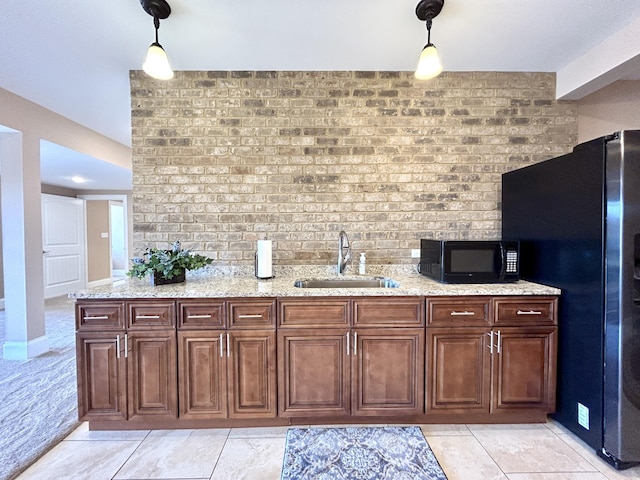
(577, 218)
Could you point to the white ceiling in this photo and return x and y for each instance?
(73, 57)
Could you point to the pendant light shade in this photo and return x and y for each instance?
(156, 63)
(429, 65)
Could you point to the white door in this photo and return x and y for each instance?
(63, 245)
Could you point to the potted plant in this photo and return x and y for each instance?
(166, 266)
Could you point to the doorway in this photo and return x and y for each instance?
(118, 239)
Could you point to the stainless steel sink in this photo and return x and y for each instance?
(369, 282)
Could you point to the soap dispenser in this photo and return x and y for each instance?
(363, 264)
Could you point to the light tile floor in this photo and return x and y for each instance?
(465, 452)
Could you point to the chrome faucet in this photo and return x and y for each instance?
(343, 258)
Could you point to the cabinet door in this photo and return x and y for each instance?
(202, 373)
(152, 374)
(524, 369)
(387, 375)
(313, 372)
(102, 380)
(458, 370)
(251, 370)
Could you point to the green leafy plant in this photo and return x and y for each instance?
(167, 263)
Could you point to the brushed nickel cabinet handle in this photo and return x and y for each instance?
(117, 346)
(221, 347)
(228, 349)
(96, 317)
(490, 346)
(190, 317)
(499, 341)
(355, 343)
(348, 335)
(528, 312)
(458, 314)
(147, 317)
(253, 315)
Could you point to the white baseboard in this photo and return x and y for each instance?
(25, 350)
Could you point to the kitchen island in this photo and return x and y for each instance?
(227, 349)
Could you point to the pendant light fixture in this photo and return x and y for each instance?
(429, 65)
(156, 64)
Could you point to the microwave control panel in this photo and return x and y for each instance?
(512, 261)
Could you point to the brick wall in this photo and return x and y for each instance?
(221, 159)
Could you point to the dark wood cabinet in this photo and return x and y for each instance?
(524, 370)
(152, 376)
(249, 361)
(505, 367)
(102, 377)
(375, 369)
(458, 370)
(314, 372)
(203, 376)
(387, 371)
(227, 372)
(126, 373)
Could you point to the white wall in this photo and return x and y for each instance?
(615, 107)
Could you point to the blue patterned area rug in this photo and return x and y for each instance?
(359, 453)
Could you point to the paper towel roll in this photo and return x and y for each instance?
(263, 259)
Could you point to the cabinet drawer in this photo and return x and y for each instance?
(99, 316)
(201, 314)
(154, 314)
(458, 311)
(388, 312)
(316, 312)
(525, 311)
(252, 313)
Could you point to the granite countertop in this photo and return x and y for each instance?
(219, 282)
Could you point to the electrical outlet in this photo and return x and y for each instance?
(583, 416)
(415, 253)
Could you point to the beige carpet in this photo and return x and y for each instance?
(38, 398)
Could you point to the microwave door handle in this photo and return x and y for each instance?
(503, 260)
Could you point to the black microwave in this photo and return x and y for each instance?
(470, 261)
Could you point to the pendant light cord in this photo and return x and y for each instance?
(156, 23)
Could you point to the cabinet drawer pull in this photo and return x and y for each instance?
(355, 343)
(96, 317)
(221, 347)
(529, 312)
(117, 346)
(253, 315)
(490, 346)
(499, 341)
(208, 315)
(126, 345)
(228, 349)
(147, 317)
(458, 314)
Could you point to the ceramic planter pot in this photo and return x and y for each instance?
(160, 280)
